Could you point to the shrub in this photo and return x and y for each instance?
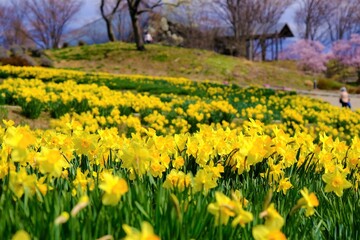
(65, 45)
(338, 71)
(347, 52)
(17, 50)
(46, 62)
(35, 52)
(23, 60)
(29, 60)
(357, 90)
(3, 53)
(328, 84)
(81, 43)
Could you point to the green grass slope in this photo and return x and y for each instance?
(195, 64)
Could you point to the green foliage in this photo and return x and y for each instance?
(58, 108)
(219, 116)
(174, 214)
(31, 108)
(126, 111)
(80, 106)
(105, 111)
(146, 85)
(160, 58)
(3, 113)
(328, 84)
(172, 61)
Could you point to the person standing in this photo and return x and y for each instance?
(344, 98)
(148, 38)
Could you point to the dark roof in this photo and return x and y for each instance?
(268, 31)
(272, 31)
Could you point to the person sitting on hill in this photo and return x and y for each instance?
(148, 38)
(344, 98)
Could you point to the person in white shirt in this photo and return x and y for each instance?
(344, 98)
(148, 38)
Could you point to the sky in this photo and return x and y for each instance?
(288, 16)
(90, 12)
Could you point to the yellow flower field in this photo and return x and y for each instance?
(202, 162)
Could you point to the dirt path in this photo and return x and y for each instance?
(14, 113)
(332, 97)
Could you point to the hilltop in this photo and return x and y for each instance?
(158, 60)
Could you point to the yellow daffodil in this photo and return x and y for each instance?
(336, 182)
(223, 208)
(113, 187)
(272, 227)
(204, 181)
(82, 182)
(242, 217)
(261, 232)
(178, 180)
(21, 235)
(284, 185)
(146, 233)
(308, 201)
(51, 162)
(21, 182)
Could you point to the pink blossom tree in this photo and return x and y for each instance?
(309, 55)
(348, 52)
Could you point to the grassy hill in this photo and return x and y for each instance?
(195, 64)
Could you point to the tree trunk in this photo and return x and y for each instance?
(263, 49)
(137, 32)
(108, 18)
(109, 29)
(241, 47)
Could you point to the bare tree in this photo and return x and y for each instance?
(310, 18)
(270, 11)
(4, 23)
(247, 18)
(3, 11)
(108, 9)
(139, 7)
(344, 19)
(326, 20)
(358, 21)
(195, 22)
(12, 29)
(269, 14)
(122, 23)
(240, 16)
(48, 19)
(136, 8)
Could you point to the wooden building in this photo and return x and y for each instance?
(263, 43)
